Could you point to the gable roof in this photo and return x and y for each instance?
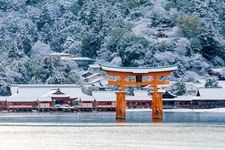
(168, 95)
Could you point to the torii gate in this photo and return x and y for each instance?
(128, 76)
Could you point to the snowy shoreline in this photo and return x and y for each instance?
(141, 110)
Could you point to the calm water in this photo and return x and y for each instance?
(143, 117)
(94, 131)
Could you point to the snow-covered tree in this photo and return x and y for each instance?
(178, 88)
(190, 25)
(189, 34)
(211, 82)
(130, 91)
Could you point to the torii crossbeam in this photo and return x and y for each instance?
(127, 76)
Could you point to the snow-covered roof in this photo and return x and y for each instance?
(217, 69)
(221, 84)
(82, 59)
(91, 76)
(3, 98)
(96, 80)
(138, 70)
(85, 72)
(45, 92)
(96, 66)
(81, 95)
(197, 85)
(167, 94)
(104, 95)
(13, 89)
(28, 99)
(111, 96)
(60, 54)
(43, 99)
(55, 86)
(52, 94)
(159, 86)
(211, 94)
(22, 99)
(139, 95)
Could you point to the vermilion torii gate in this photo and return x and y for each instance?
(123, 76)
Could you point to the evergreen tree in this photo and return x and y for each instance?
(178, 88)
(211, 82)
(89, 45)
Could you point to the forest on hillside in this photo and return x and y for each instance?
(138, 33)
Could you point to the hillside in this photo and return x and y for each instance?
(189, 34)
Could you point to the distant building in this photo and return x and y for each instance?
(192, 88)
(43, 97)
(82, 62)
(209, 98)
(68, 97)
(63, 56)
(85, 74)
(95, 68)
(94, 77)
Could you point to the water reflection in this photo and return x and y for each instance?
(157, 120)
(121, 122)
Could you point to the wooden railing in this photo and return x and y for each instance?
(86, 105)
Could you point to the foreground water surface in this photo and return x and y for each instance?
(98, 130)
(143, 117)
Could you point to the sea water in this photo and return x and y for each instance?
(98, 130)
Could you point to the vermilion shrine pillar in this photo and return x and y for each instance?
(157, 107)
(120, 105)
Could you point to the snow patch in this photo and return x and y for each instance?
(141, 26)
(117, 61)
(40, 50)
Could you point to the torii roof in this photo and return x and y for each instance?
(139, 70)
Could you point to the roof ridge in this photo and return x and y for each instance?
(168, 66)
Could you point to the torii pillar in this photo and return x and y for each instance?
(120, 105)
(138, 74)
(120, 100)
